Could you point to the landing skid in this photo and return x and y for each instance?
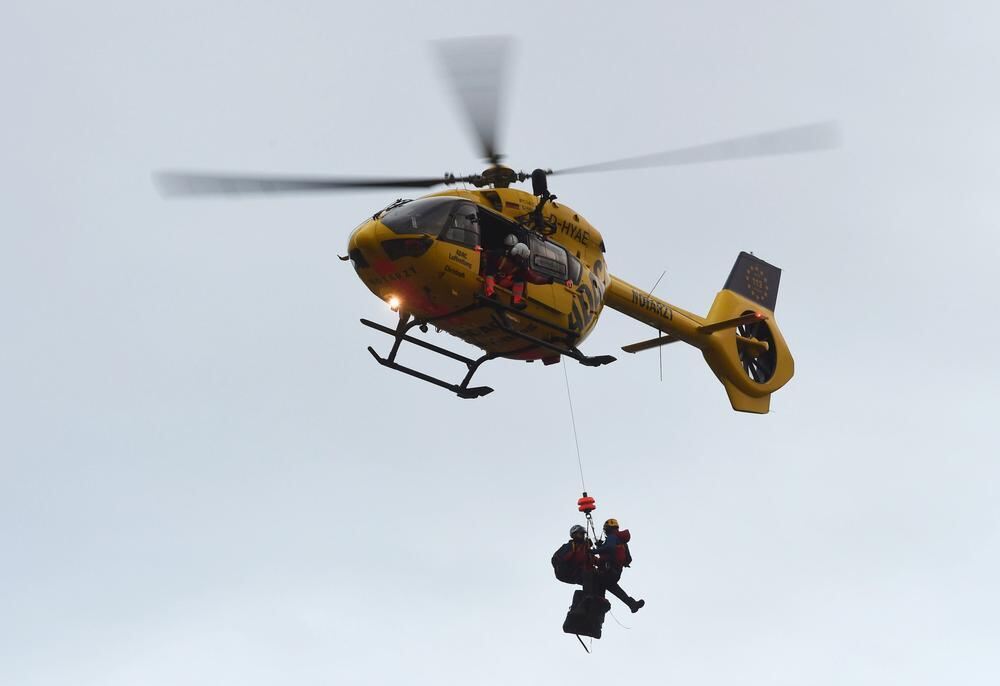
(462, 390)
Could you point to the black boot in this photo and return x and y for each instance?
(636, 605)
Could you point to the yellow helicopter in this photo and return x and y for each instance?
(447, 259)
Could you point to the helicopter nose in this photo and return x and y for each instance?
(386, 250)
(363, 247)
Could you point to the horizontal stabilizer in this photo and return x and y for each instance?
(650, 344)
(748, 318)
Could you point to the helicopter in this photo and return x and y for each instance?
(430, 258)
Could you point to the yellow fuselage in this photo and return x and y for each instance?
(441, 285)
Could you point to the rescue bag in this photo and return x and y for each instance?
(586, 614)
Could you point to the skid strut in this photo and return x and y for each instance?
(399, 335)
(570, 351)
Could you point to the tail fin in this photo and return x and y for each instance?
(750, 358)
(755, 279)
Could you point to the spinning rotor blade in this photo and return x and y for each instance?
(798, 139)
(476, 69)
(184, 183)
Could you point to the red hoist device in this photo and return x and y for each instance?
(586, 505)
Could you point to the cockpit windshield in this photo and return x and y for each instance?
(427, 215)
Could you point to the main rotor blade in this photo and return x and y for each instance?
(187, 183)
(476, 69)
(798, 139)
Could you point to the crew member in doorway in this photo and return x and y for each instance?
(492, 258)
(614, 556)
(511, 271)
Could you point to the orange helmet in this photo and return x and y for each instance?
(611, 524)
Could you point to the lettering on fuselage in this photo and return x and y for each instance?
(461, 257)
(588, 299)
(651, 304)
(389, 278)
(568, 228)
(451, 270)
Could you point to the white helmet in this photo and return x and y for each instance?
(520, 250)
(510, 241)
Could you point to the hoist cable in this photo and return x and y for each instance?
(572, 417)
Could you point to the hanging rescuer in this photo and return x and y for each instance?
(613, 556)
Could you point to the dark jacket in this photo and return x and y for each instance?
(571, 559)
(614, 552)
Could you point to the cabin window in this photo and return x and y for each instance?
(549, 259)
(575, 269)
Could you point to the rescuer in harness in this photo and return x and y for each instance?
(573, 563)
(614, 556)
(511, 269)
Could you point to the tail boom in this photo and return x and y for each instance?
(738, 338)
(650, 310)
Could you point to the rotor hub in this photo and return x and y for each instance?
(499, 176)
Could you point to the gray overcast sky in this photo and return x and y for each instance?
(205, 479)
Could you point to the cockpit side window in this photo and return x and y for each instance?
(462, 226)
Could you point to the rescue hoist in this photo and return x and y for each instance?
(586, 505)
